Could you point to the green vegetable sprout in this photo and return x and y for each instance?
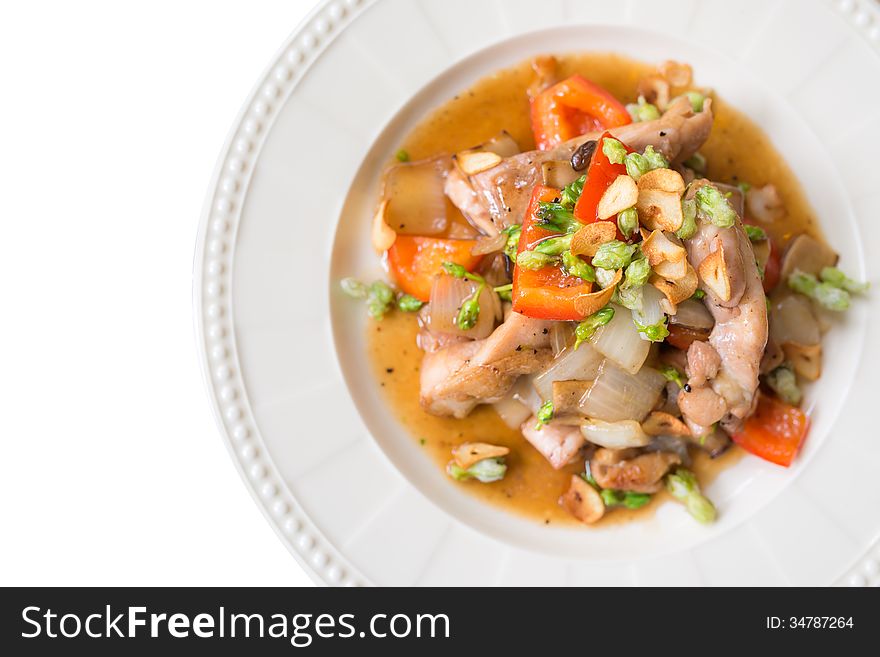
(826, 294)
(408, 303)
(591, 324)
(654, 332)
(755, 233)
(833, 276)
(697, 162)
(712, 204)
(683, 486)
(689, 222)
(379, 295)
(642, 111)
(576, 266)
(626, 498)
(554, 246)
(636, 273)
(638, 164)
(485, 471)
(544, 414)
(671, 374)
(512, 244)
(534, 260)
(614, 255)
(783, 382)
(696, 99)
(613, 150)
(628, 222)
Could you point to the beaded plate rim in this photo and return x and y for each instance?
(212, 274)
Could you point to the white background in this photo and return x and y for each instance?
(112, 115)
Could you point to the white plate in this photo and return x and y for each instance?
(348, 491)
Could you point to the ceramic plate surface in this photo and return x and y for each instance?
(349, 492)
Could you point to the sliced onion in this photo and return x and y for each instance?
(561, 336)
(447, 295)
(524, 392)
(416, 200)
(615, 435)
(581, 364)
(651, 311)
(558, 173)
(494, 270)
(694, 314)
(502, 144)
(618, 395)
(512, 411)
(489, 244)
(792, 321)
(620, 341)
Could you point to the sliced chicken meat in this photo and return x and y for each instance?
(560, 444)
(502, 192)
(454, 379)
(703, 363)
(739, 336)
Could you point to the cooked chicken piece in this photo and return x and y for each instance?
(623, 470)
(457, 378)
(709, 239)
(740, 332)
(703, 363)
(560, 444)
(503, 191)
(702, 406)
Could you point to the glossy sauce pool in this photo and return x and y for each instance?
(736, 151)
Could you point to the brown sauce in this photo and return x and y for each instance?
(737, 151)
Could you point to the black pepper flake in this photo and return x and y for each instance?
(545, 331)
(402, 225)
(687, 387)
(390, 370)
(662, 133)
(518, 347)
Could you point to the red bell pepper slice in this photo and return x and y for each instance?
(600, 174)
(414, 261)
(775, 432)
(546, 293)
(571, 108)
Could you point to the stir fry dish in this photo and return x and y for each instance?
(625, 312)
